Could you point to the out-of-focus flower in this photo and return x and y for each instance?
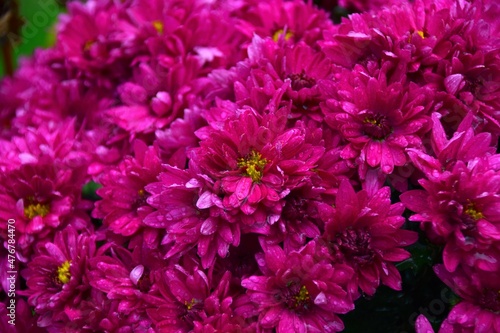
(284, 20)
(42, 199)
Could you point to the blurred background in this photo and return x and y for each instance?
(31, 27)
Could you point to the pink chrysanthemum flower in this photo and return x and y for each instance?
(63, 109)
(41, 198)
(269, 63)
(479, 310)
(203, 29)
(56, 276)
(96, 313)
(155, 96)
(298, 291)
(299, 218)
(174, 141)
(364, 232)
(254, 162)
(365, 5)
(285, 20)
(56, 97)
(469, 83)
(463, 146)
(191, 302)
(126, 277)
(240, 260)
(124, 198)
(379, 119)
(89, 40)
(459, 206)
(54, 143)
(184, 210)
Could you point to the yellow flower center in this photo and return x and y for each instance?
(377, 126)
(253, 165)
(371, 121)
(473, 212)
(158, 25)
(277, 35)
(302, 297)
(189, 305)
(141, 192)
(421, 33)
(63, 274)
(88, 44)
(36, 209)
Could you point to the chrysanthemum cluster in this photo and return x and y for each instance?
(253, 162)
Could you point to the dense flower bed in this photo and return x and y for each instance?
(250, 166)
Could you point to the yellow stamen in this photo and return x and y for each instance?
(63, 274)
(371, 121)
(189, 305)
(141, 192)
(421, 33)
(277, 35)
(88, 44)
(473, 212)
(158, 25)
(36, 209)
(302, 296)
(254, 165)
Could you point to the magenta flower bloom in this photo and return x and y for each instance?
(124, 198)
(464, 146)
(41, 199)
(365, 233)
(460, 207)
(174, 141)
(56, 276)
(192, 302)
(297, 67)
(155, 96)
(96, 312)
(379, 119)
(201, 29)
(89, 39)
(254, 162)
(298, 291)
(414, 35)
(469, 83)
(365, 5)
(50, 143)
(299, 219)
(126, 277)
(480, 306)
(180, 198)
(285, 20)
